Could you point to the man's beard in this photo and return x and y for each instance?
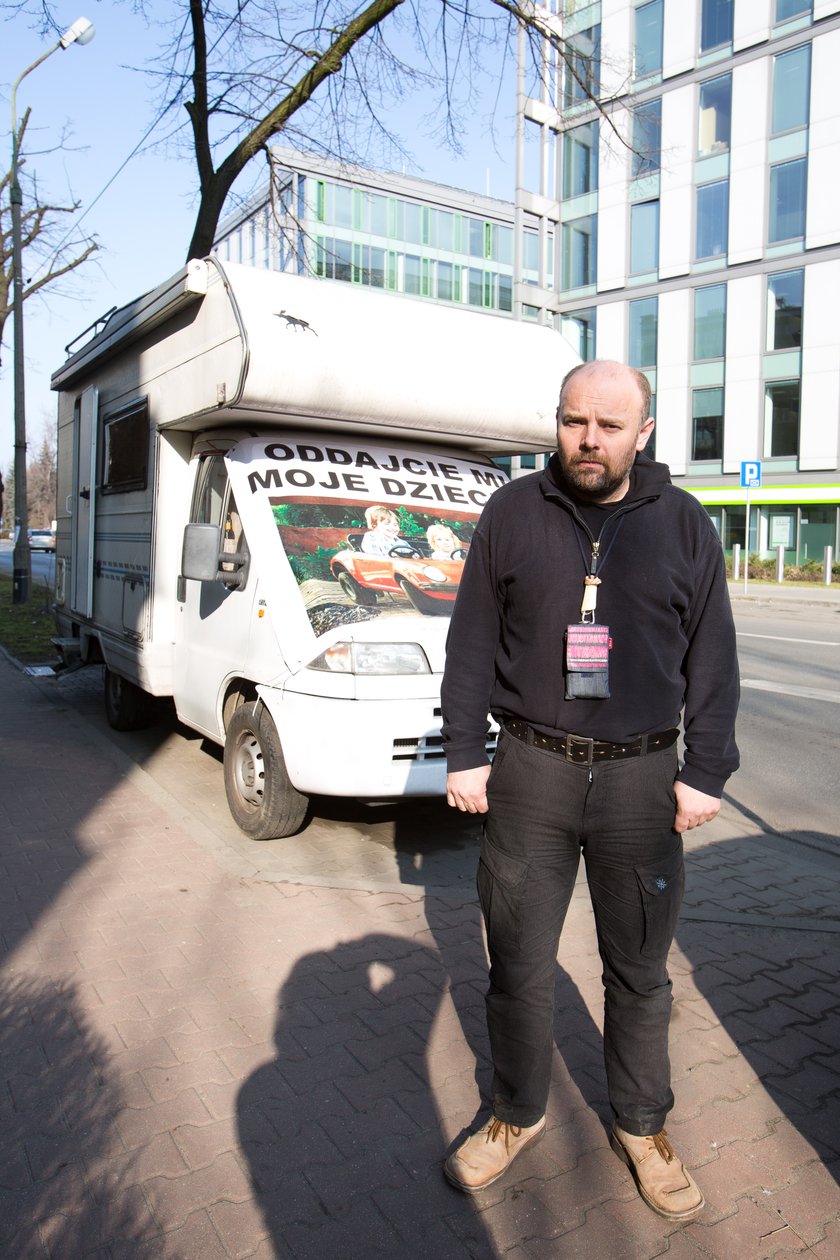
(589, 484)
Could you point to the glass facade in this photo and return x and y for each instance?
(707, 424)
(781, 419)
(582, 76)
(715, 24)
(787, 200)
(647, 138)
(360, 236)
(784, 310)
(791, 89)
(712, 230)
(647, 54)
(579, 253)
(710, 322)
(578, 327)
(644, 317)
(580, 160)
(715, 115)
(787, 9)
(644, 237)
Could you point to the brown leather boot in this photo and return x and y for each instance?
(661, 1178)
(485, 1156)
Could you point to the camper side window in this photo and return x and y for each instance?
(125, 448)
(215, 505)
(210, 490)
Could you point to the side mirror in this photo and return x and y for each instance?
(200, 553)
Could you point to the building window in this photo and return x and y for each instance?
(715, 115)
(712, 219)
(648, 39)
(707, 424)
(578, 327)
(583, 72)
(781, 419)
(791, 89)
(343, 213)
(579, 252)
(787, 200)
(787, 9)
(580, 160)
(710, 322)
(644, 316)
(644, 237)
(715, 24)
(784, 310)
(647, 138)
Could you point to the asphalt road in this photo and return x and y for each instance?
(789, 721)
(43, 564)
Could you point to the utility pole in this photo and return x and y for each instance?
(82, 32)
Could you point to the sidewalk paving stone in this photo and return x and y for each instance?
(200, 1058)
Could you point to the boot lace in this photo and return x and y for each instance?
(663, 1146)
(496, 1127)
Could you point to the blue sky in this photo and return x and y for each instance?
(144, 220)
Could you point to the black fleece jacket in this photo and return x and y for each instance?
(663, 595)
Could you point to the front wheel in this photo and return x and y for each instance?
(261, 797)
(127, 706)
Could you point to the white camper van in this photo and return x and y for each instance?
(267, 487)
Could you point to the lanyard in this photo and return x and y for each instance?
(591, 581)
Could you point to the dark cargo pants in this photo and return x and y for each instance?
(543, 813)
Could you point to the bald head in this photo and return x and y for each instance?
(603, 421)
(614, 372)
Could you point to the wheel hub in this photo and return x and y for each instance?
(249, 770)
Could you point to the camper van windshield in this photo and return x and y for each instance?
(357, 560)
(368, 530)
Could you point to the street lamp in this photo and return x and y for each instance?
(81, 32)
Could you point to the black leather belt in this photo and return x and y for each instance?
(585, 751)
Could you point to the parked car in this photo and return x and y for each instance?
(430, 585)
(41, 539)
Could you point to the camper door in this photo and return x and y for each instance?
(82, 504)
(213, 625)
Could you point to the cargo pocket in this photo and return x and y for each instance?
(501, 881)
(661, 886)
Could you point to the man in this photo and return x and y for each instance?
(593, 609)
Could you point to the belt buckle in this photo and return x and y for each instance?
(575, 741)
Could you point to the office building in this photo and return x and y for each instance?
(691, 226)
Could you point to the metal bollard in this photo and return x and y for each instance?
(736, 561)
(828, 562)
(780, 563)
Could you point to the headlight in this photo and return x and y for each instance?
(373, 658)
(433, 574)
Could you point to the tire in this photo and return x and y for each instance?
(424, 603)
(359, 594)
(260, 795)
(127, 706)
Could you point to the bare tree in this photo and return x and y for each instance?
(327, 75)
(40, 481)
(46, 255)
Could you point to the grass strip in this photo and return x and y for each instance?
(26, 629)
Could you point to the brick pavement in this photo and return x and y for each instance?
(202, 1058)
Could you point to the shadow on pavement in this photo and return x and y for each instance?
(59, 1130)
(366, 1123)
(774, 986)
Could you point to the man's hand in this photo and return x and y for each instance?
(693, 808)
(467, 789)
